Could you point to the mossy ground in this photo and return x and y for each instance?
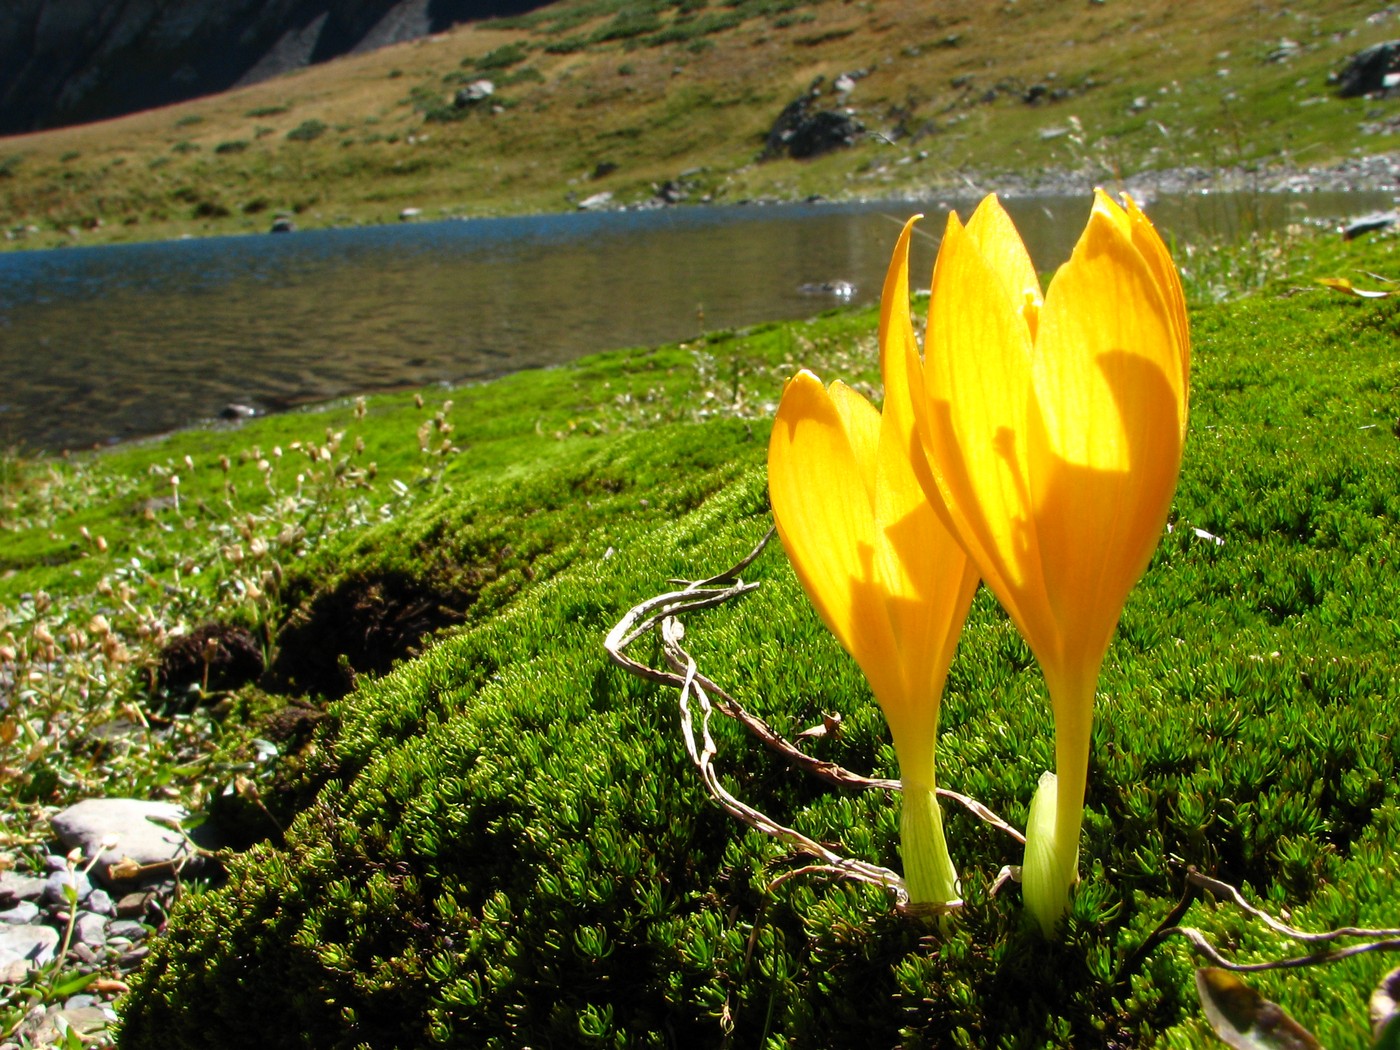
(625, 96)
(500, 841)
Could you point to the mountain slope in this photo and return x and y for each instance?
(81, 60)
(674, 100)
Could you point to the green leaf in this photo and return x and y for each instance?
(71, 984)
(1244, 1019)
(1385, 1012)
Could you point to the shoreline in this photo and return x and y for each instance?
(1375, 172)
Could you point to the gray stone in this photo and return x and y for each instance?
(134, 957)
(134, 905)
(127, 820)
(14, 886)
(129, 929)
(90, 928)
(801, 131)
(474, 93)
(21, 913)
(1366, 71)
(56, 888)
(28, 945)
(596, 202)
(101, 903)
(1369, 224)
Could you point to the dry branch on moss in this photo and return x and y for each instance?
(696, 690)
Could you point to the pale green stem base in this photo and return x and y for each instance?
(1050, 867)
(929, 875)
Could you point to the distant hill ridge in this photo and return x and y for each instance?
(71, 61)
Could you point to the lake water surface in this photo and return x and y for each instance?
(101, 344)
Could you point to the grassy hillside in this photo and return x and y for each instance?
(625, 96)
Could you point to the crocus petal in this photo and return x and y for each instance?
(1154, 253)
(1107, 384)
(978, 389)
(1003, 250)
(824, 515)
(926, 573)
(861, 423)
(902, 369)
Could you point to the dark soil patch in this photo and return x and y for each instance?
(362, 626)
(213, 658)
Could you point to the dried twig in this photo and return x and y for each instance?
(1381, 940)
(1224, 889)
(661, 612)
(672, 632)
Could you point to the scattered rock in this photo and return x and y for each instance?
(837, 289)
(476, 92)
(139, 839)
(1283, 50)
(50, 1027)
(670, 192)
(135, 905)
(603, 170)
(596, 202)
(1369, 72)
(1369, 224)
(27, 947)
(129, 929)
(90, 929)
(21, 913)
(409, 214)
(283, 224)
(30, 937)
(59, 885)
(100, 903)
(17, 887)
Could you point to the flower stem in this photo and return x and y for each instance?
(929, 875)
(1051, 866)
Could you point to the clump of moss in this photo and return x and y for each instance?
(510, 848)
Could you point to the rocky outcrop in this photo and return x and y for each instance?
(803, 130)
(71, 61)
(1372, 71)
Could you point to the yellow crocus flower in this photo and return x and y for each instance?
(1054, 430)
(884, 573)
